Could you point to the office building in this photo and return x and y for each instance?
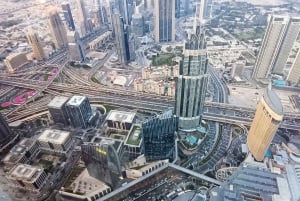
(186, 7)
(279, 38)
(123, 7)
(5, 132)
(57, 29)
(23, 152)
(137, 24)
(79, 111)
(120, 119)
(36, 46)
(83, 18)
(58, 111)
(159, 138)
(68, 16)
(120, 38)
(102, 161)
(204, 11)
(192, 81)
(55, 141)
(164, 22)
(131, 46)
(294, 74)
(268, 116)
(14, 61)
(75, 46)
(27, 177)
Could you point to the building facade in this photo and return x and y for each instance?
(76, 47)
(279, 38)
(57, 29)
(82, 18)
(79, 111)
(192, 82)
(15, 61)
(294, 74)
(159, 138)
(268, 116)
(36, 46)
(58, 111)
(68, 16)
(164, 22)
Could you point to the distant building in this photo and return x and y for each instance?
(131, 47)
(268, 116)
(294, 74)
(15, 61)
(164, 23)
(279, 38)
(57, 29)
(82, 18)
(159, 138)
(36, 45)
(5, 132)
(79, 111)
(27, 177)
(177, 8)
(192, 82)
(122, 6)
(58, 111)
(137, 24)
(237, 69)
(102, 161)
(68, 16)
(120, 119)
(55, 141)
(76, 48)
(204, 11)
(23, 152)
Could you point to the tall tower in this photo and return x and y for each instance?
(192, 82)
(278, 41)
(5, 132)
(123, 7)
(294, 74)
(36, 46)
(268, 115)
(120, 38)
(177, 8)
(57, 29)
(164, 23)
(68, 16)
(204, 10)
(82, 18)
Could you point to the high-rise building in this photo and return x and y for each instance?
(279, 38)
(268, 116)
(57, 29)
(186, 6)
(177, 8)
(58, 111)
(76, 48)
(102, 161)
(5, 132)
(294, 74)
(192, 82)
(79, 111)
(164, 23)
(36, 45)
(83, 18)
(123, 6)
(204, 12)
(159, 137)
(120, 38)
(137, 24)
(68, 16)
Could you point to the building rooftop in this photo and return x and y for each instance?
(25, 172)
(58, 102)
(76, 100)
(134, 137)
(121, 116)
(273, 100)
(54, 136)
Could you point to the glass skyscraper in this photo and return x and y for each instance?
(159, 138)
(192, 82)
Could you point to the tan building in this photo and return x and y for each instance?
(172, 89)
(35, 43)
(138, 85)
(57, 29)
(268, 115)
(14, 61)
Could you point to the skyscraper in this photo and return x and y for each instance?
(36, 46)
(278, 41)
(5, 132)
(120, 38)
(159, 137)
(294, 74)
(268, 115)
(82, 18)
(79, 111)
(204, 10)
(76, 49)
(164, 23)
(177, 8)
(123, 7)
(58, 111)
(57, 29)
(68, 16)
(192, 82)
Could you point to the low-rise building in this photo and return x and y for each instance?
(133, 142)
(15, 61)
(120, 119)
